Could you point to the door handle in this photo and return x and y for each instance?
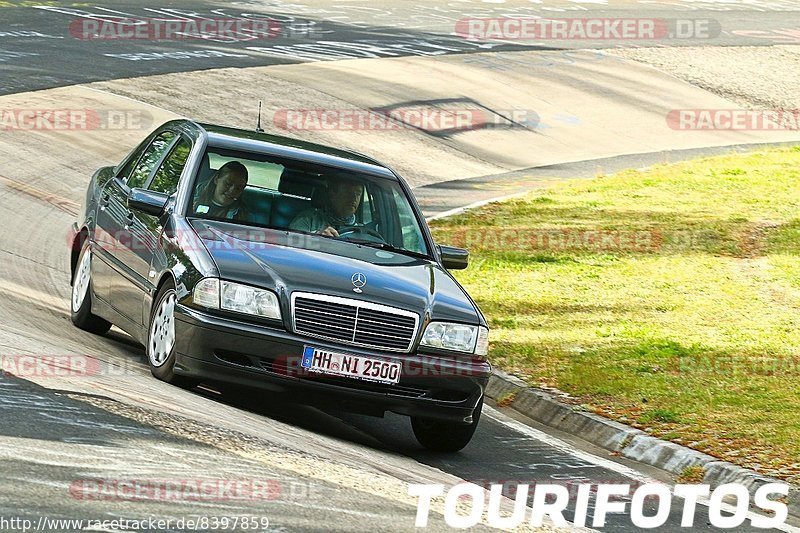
(128, 220)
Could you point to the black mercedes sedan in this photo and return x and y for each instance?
(255, 260)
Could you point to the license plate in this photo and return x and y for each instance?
(352, 366)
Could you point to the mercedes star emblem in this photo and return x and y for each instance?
(359, 280)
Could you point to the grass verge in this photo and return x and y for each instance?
(668, 299)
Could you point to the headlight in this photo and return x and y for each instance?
(456, 337)
(221, 294)
(246, 299)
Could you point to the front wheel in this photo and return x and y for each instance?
(81, 298)
(161, 339)
(439, 436)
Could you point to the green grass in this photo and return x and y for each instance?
(667, 298)
(692, 474)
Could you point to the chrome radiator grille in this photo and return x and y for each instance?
(353, 322)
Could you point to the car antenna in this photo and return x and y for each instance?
(259, 129)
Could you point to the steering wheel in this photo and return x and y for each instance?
(360, 230)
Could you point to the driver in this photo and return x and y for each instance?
(339, 211)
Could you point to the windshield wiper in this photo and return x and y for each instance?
(386, 246)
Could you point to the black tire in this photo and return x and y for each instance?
(82, 317)
(165, 371)
(449, 437)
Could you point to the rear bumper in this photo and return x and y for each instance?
(225, 350)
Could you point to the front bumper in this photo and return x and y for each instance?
(225, 350)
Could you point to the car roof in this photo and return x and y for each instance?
(251, 140)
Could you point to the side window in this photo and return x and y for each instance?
(152, 155)
(365, 215)
(166, 179)
(126, 170)
(412, 238)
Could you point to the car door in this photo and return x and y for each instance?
(149, 259)
(104, 232)
(121, 238)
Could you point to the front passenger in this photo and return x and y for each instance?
(220, 197)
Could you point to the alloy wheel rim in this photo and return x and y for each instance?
(80, 286)
(162, 332)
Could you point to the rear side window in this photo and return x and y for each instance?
(262, 174)
(152, 155)
(167, 177)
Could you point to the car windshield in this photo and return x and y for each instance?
(290, 195)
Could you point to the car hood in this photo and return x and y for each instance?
(290, 262)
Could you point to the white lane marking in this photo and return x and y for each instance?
(473, 205)
(604, 463)
(562, 446)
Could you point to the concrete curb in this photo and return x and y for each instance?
(627, 441)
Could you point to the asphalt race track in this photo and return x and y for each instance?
(329, 470)
(41, 45)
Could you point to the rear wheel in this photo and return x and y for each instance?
(81, 298)
(161, 339)
(439, 436)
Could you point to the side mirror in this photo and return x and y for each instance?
(150, 202)
(453, 258)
